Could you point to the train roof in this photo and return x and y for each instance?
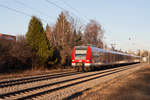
(105, 51)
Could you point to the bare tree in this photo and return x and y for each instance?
(62, 31)
(94, 33)
(145, 53)
(50, 35)
(20, 38)
(17, 55)
(76, 29)
(60, 36)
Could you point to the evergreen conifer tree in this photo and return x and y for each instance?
(36, 37)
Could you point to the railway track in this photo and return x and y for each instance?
(35, 79)
(55, 88)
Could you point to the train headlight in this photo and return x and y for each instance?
(88, 60)
(73, 60)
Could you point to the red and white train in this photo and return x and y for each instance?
(87, 57)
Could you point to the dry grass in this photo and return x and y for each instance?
(134, 87)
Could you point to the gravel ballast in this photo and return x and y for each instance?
(68, 89)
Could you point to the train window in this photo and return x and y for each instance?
(95, 54)
(101, 54)
(80, 54)
(105, 57)
(80, 51)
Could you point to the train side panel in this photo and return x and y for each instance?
(88, 56)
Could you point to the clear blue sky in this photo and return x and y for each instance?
(121, 19)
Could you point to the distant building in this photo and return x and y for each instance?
(7, 37)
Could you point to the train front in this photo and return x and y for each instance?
(81, 56)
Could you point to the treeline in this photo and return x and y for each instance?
(48, 47)
(16, 56)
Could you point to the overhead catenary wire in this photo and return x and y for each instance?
(73, 8)
(32, 8)
(50, 2)
(18, 11)
(56, 5)
(69, 6)
(15, 10)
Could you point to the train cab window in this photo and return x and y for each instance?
(80, 54)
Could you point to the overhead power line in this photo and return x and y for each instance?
(69, 6)
(77, 11)
(17, 11)
(32, 8)
(50, 2)
(54, 4)
(14, 10)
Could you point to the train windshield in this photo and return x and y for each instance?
(80, 53)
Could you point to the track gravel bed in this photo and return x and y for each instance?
(73, 91)
(24, 80)
(62, 87)
(131, 86)
(45, 83)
